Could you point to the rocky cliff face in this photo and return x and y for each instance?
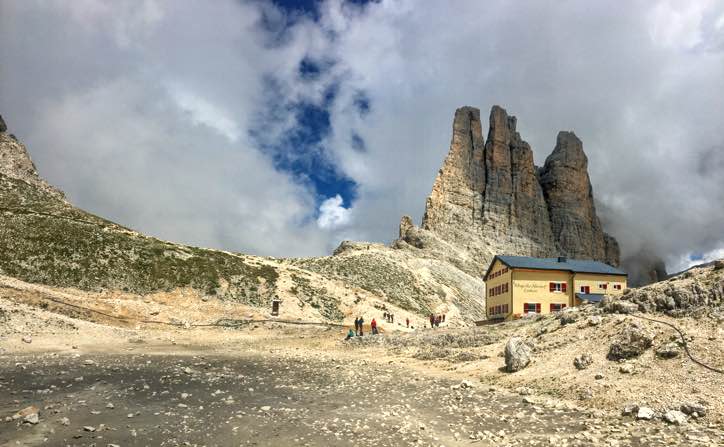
(489, 198)
(15, 162)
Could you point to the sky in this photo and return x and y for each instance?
(282, 128)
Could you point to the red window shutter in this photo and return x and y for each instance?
(563, 306)
(552, 287)
(563, 287)
(551, 307)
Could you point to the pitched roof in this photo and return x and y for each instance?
(571, 265)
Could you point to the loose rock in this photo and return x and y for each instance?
(517, 354)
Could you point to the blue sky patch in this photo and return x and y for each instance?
(299, 150)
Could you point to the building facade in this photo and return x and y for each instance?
(519, 285)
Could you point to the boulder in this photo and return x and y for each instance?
(568, 317)
(583, 361)
(694, 409)
(594, 320)
(630, 409)
(645, 413)
(616, 305)
(518, 354)
(675, 417)
(633, 340)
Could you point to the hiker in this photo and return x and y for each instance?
(392, 318)
(373, 325)
(432, 320)
(361, 325)
(350, 333)
(407, 321)
(356, 326)
(443, 318)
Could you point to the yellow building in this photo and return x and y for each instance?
(519, 285)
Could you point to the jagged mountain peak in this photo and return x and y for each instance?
(489, 198)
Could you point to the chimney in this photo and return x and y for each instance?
(562, 259)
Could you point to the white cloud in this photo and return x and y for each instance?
(332, 214)
(204, 112)
(629, 84)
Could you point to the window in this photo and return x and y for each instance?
(505, 308)
(530, 308)
(603, 286)
(585, 289)
(617, 286)
(497, 309)
(557, 286)
(555, 307)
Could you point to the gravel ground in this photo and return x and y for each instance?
(279, 399)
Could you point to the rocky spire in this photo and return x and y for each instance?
(456, 199)
(3, 127)
(569, 194)
(488, 197)
(515, 213)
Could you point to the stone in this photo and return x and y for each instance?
(30, 415)
(583, 361)
(27, 339)
(633, 340)
(64, 421)
(626, 368)
(32, 418)
(594, 320)
(614, 304)
(518, 354)
(675, 417)
(645, 413)
(629, 409)
(668, 351)
(89, 428)
(694, 409)
(466, 384)
(599, 376)
(568, 317)
(265, 408)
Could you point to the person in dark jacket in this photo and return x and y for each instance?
(361, 325)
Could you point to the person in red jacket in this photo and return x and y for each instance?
(408, 322)
(373, 325)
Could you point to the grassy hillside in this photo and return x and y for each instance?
(45, 240)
